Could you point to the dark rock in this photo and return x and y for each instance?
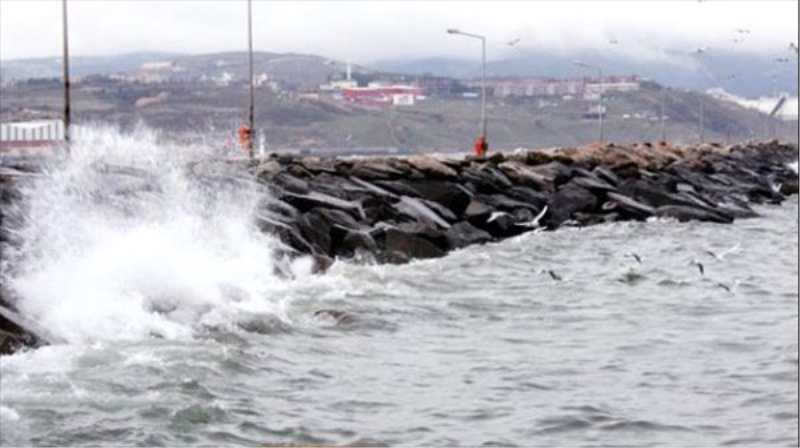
(788, 187)
(410, 245)
(627, 207)
(593, 183)
(375, 189)
(317, 232)
(505, 203)
(688, 213)
(464, 234)
(450, 195)
(305, 202)
(400, 188)
(440, 210)
(606, 175)
(477, 212)
(419, 212)
(355, 242)
(522, 175)
(375, 170)
(569, 199)
(18, 332)
(433, 168)
(291, 183)
(528, 195)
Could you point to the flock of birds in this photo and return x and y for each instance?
(741, 32)
(719, 256)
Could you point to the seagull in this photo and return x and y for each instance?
(700, 50)
(699, 266)
(635, 257)
(613, 41)
(496, 215)
(534, 223)
(731, 288)
(555, 276)
(722, 254)
(514, 42)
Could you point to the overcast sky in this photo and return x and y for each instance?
(368, 31)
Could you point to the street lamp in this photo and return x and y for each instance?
(700, 51)
(66, 74)
(251, 114)
(599, 95)
(483, 139)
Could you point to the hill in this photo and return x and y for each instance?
(310, 123)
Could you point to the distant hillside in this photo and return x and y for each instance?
(305, 71)
(748, 76)
(743, 75)
(212, 113)
(79, 65)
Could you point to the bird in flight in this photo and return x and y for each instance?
(514, 42)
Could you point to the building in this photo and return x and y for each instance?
(31, 135)
(380, 95)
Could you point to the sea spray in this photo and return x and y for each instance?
(122, 241)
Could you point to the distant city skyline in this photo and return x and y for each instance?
(364, 31)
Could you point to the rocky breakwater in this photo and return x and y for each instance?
(392, 210)
(396, 209)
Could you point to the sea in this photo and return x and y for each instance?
(175, 327)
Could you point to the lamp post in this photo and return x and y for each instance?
(67, 119)
(251, 115)
(483, 138)
(599, 95)
(700, 52)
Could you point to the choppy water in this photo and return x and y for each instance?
(179, 333)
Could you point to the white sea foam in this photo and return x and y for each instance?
(793, 166)
(7, 414)
(119, 243)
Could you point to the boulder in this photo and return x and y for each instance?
(567, 200)
(410, 245)
(688, 213)
(463, 234)
(432, 168)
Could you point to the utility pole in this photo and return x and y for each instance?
(66, 75)
(252, 96)
(483, 139)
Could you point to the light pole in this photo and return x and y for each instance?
(66, 75)
(599, 95)
(484, 138)
(252, 96)
(699, 52)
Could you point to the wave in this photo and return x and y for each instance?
(124, 240)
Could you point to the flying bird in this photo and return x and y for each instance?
(722, 254)
(613, 41)
(742, 30)
(555, 276)
(699, 266)
(534, 223)
(636, 257)
(730, 288)
(514, 42)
